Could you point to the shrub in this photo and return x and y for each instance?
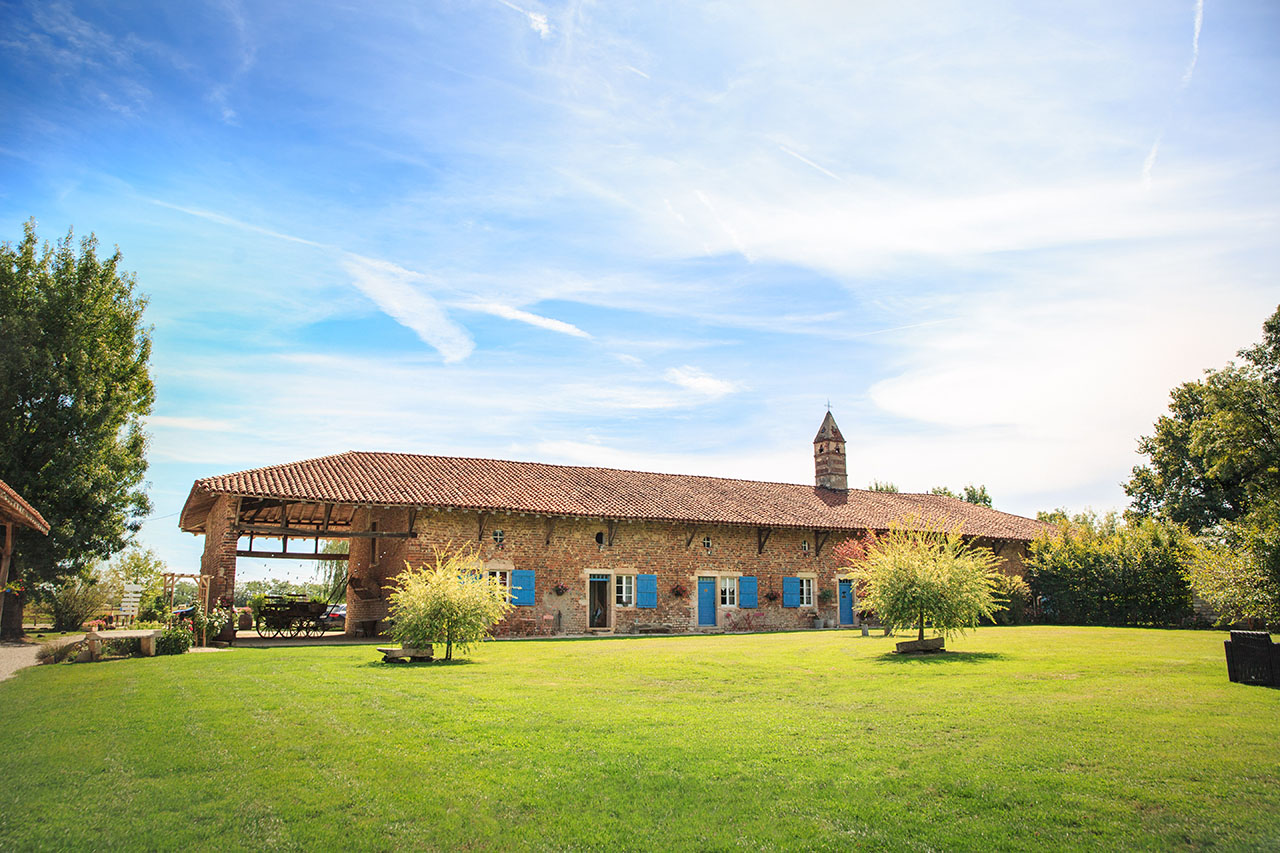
(123, 647)
(1015, 595)
(921, 577)
(73, 602)
(56, 651)
(453, 602)
(175, 640)
(1099, 571)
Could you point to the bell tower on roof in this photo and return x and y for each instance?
(829, 470)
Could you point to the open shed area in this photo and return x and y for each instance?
(1029, 738)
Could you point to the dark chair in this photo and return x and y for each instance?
(1252, 658)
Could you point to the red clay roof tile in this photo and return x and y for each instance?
(403, 479)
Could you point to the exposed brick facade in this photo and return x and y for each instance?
(218, 562)
(572, 555)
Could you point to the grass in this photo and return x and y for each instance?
(1027, 738)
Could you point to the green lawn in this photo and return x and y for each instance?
(1028, 738)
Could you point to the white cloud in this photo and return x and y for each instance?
(699, 382)
(397, 292)
(537, 20)
(508, 313)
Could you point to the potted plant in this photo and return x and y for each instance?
(560, 589)
(679, 590)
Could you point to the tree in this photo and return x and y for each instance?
(1102, 570)
(74, 388)
(882, 486)
(454, 602)
(1216, 454)
(922, 577)
(1214, 465)
(138, 566)
(333, 573)
(971, 494)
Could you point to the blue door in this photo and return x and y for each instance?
(707, 602)
(846, 602)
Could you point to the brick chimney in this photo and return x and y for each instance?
(828, 457)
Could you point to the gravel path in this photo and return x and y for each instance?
(16, 656)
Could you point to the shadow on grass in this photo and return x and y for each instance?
(426, 664)
(939, 657)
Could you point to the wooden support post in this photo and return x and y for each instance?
(819, 539)
(4, 560)
(480, 534)
(413, 519)
(613, 531)
(762, 536)
(328, 511)
(692, 530)
(550, 523)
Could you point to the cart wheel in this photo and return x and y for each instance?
(321, 626)
(296, 627)
(279, 630)
(311, 628)
(260, 625)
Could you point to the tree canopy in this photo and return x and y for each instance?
(453, 602)
(922, 577)
(970, 494)
(1216, 455)
(1214, 466)
(75, 385)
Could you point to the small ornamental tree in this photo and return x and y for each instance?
(454, 602)
(924, 577)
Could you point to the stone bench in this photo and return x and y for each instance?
(97, 638)
(396, 655)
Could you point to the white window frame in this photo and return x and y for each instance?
(706, 542)
(499, 536)
(806, 592)
(503, 576)
(624, 590)
(728, 592)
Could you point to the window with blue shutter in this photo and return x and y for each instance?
(747, 592)
(522, 587)
(647, 591)
(791, 592)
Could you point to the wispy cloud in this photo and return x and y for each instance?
(810, 163)
(699, 382)
(236, 223)
(398, 292)
(537, 20)
(1149, 163)
(508, 313)
(1195, 44)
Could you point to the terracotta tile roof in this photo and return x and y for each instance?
(14, 509)
(403, 479)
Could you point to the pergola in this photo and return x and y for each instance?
(15, 511)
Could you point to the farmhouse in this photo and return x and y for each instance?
(584, 549)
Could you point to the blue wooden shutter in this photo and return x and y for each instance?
(791, 592)
(747, 592)
(647, 591)
(522, 587)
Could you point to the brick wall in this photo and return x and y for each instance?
(218, 562)
(572, 555)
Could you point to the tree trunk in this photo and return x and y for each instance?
(11, 607)
(921, 625)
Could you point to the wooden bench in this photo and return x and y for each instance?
(390, 655)
(97, 638)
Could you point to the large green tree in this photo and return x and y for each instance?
(1216, 456)
(75, 385)
(1215, 467)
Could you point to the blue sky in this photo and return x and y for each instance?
(663, 236)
